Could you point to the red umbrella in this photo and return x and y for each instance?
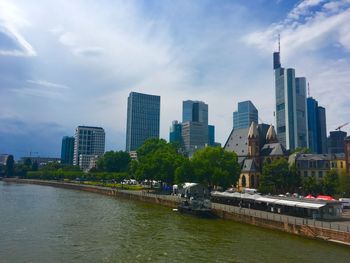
(325, 197)
(310, 197)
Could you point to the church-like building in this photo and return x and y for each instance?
(253, 146)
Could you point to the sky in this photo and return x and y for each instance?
(70, 63)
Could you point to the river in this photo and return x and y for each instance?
(46, 224)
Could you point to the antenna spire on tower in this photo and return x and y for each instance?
(279, 43)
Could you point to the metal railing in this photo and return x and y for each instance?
(282, 218)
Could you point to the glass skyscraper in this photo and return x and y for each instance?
(245, 115)
(143, 119)
(211, 135)
(291, 112)
(316, 126)
(89, 142)
(67, 150)
(175, 132)
(195, 128)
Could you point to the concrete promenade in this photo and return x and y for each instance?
(338, 232)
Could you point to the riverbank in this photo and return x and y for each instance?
(329, 231)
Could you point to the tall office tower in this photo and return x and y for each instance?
(67, 150)
(336, 142)
(291, 112)
(194, 125)
(321, 130)
(175, 132)
(211, 135)
(142, 120)
(316, 117)
(88, 142)
(245, 115)
(194, 111)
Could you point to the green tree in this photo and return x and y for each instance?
(150, 146)
(330, 182)
(35, 166)
(10, 166)
(301, 150)
(157, 160)
(213, 166)
(278, 177)
(344, 185)
(184, 173)
(28, 162)
(311, 186)
(114, 162)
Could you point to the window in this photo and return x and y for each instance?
(313, 173)
(341, 164)
(305, 173)
(320, 174)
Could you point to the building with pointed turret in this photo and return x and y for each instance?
(253, 146)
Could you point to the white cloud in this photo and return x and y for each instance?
(11, 19)
(48, 84)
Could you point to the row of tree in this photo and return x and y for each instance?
(279, 177)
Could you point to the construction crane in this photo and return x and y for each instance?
(341, 126)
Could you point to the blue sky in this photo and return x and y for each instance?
(70, 63)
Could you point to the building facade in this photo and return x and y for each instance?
(317, 130)
(143, 119)
(67, 150)
(317, 165)
(175, 134)
(347, 155)
(253, 146)
(211, 135)
(88, 141)
(195, 129)
(291, 110)
(3, 158)
(194, 136)
(336, 142)
(245, 115)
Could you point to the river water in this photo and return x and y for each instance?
(46, 224)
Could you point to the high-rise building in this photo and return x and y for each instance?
(194, 111)
(322, 130)
(245, 115)
(347, 155)
(175, 132)
(194, 125)
(143, 119)
(89, 141)
(291, 112)
(194, 136)
(317, 130)
(67, 150)
(211, 135)
(336, 142)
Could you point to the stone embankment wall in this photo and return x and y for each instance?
(222, 211)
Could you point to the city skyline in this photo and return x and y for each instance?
(57, 75)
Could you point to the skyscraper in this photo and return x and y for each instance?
(336, 141)
(142, 120)
(322, 130)
(67, 150)
(211, 135)
(175, 132)
(89, 142)
(194, 111)
(291, 112)
(194, 125)
(245, 115)
(316, 117)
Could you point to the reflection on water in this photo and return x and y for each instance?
(46, 224)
